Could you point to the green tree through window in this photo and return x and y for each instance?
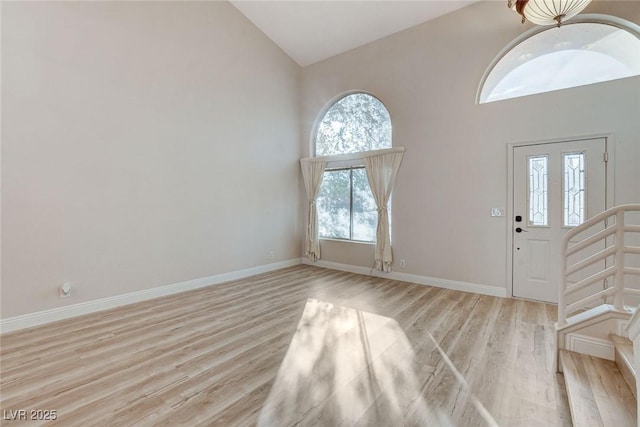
(346, 208)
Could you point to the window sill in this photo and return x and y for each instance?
(357, 242)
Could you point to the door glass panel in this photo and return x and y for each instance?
(538, 191)
(573, 189)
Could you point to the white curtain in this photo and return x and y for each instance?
(382, 169)
(312, 172)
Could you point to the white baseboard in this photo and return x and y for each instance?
(413, 278)
(584, 344)
(34, 319)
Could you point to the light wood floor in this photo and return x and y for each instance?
(298, 346)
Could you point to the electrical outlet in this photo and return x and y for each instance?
(403, 263)
(272, 254)
(65, 290)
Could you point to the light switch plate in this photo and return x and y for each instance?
(497, 211)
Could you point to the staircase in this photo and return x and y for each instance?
(599, 291)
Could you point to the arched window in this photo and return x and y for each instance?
(354, 123)
(589, 49)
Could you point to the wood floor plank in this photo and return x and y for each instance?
(597, 391)
(214, 356)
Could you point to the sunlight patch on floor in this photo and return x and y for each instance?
(350, 367)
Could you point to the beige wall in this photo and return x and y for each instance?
(143, 144)
(455, 166)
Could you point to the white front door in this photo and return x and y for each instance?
(556, 186)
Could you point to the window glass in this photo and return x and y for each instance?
(346, 208)
(573, 191)
(355, 123)
(575, 54)
(538, 191)
(365, 213)
(334, 205)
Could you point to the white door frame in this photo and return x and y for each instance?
(609, 186)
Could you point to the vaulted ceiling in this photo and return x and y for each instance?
(310, 31)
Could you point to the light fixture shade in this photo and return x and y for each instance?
(548, 12)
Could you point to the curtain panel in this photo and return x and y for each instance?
(382, 169)
(312, 173)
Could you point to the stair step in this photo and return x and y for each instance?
(598, 394)
(624, 359)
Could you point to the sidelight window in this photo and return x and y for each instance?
(573, 189)
(538, 190)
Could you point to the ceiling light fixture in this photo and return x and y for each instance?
(547, 12)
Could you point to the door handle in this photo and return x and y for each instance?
(520, 230)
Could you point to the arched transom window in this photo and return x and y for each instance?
(591, 49)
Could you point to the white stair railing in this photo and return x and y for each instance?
(608, 231)
(633, 329)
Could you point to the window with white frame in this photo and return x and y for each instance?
(346, 208)
(586, 50)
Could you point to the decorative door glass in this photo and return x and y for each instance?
(573, 189)
(538, 190)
